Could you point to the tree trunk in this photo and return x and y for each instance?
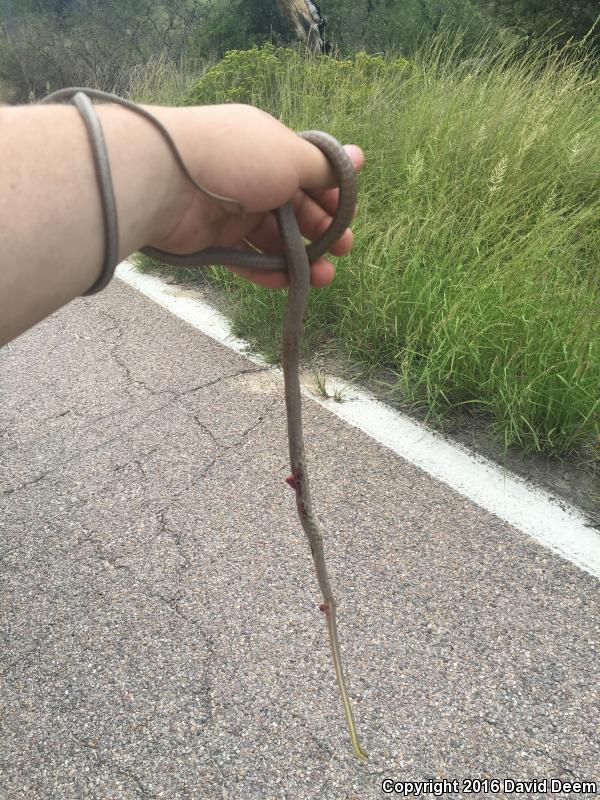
(307, 21)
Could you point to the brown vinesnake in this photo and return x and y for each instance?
(296, 260)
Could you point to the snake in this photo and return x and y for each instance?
(295, 260)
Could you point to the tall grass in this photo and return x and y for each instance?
(475, 275)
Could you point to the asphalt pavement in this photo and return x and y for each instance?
(159, 627)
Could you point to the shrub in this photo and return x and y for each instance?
(475, 275)
(262, 76)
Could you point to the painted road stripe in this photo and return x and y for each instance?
(549, 520)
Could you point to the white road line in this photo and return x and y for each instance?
(552, 522)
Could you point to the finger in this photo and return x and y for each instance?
(313, 221)
(322, 273)
(315, 170)
(328, 198)
(261, 229)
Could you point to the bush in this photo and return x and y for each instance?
(38, 56)
(475, 274)
(262, 76)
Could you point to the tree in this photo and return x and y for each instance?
(241, 24)
(47, 44)
(308, 22)
(380, 25)
(563, 19)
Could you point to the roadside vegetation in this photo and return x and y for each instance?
(475, 275)
(474, 282)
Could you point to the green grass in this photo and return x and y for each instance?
(475, 275)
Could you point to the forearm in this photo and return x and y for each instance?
(51, 224)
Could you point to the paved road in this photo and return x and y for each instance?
(160, 630)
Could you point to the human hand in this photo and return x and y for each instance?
(241, 152)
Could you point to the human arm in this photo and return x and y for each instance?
(50, 212)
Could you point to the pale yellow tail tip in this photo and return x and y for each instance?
(361, 754)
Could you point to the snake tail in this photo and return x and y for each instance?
(329, 610)
(298, 480)
(299, 286)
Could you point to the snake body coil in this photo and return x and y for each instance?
(296, 261)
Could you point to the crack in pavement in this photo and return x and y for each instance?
(92, 418)
(176, 537)
(175, 393)
(221, 378)
(112, 765)
(83, 453)
(244, 435)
